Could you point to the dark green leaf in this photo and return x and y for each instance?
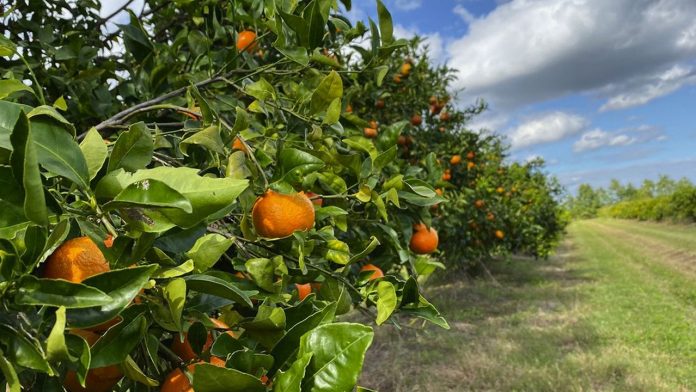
(133, 149)
(115, 345)
(58, 151)
(25, 165)
(218, 287)
(210, 378)
(330, 88)
(58, 292)
(291, 380)
(386, 27)
(11, 86)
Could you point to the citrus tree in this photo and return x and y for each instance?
(190, 201)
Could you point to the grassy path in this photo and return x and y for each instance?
(615, 310)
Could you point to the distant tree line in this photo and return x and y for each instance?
(664, 199)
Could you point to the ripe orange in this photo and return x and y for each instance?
(374, 124)
(500, 189)
(184, 349)
(109, 241)
(490, 216)
(470, 155)
(499, 234)
(406, 68)
(444, 116)
(424, 239)
(370, 133)
(401, 140)
(432, 100)
(371, 267)
(317, 201)
(379, 104)
(75, 260)
(439, 191)
(416, 120)
(278, 215)
(245, 41)
(456, 159)
(470, 165)
(237, 144)
(479, 203)
(447, 175)
(99, 379)
(177, 381)
(349, 108)
(397, 79)
(303, 290)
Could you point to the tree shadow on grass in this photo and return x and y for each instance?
(526, 332)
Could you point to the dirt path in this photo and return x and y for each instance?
(614, 310)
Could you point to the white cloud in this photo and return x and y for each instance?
(488, 121)
(408, 5)
(527, 51)
(597, 138)
(434, 41)
(467, 16)
(546, 128)
(654, 86)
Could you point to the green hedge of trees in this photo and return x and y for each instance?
(664, 199)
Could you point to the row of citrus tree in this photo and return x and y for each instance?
(190, 200)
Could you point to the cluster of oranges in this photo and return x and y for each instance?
(404, 71)
(372, 130)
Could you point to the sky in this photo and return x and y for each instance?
(599, 89)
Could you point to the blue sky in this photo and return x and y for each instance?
(600, 89)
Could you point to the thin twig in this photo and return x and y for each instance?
(106, 19)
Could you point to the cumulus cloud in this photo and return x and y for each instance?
(408, 5)
(434, 41)
(527, 51)
(598, 138)
(546, 128)
(645, 89)
(466, 16)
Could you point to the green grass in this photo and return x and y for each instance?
(612, 311)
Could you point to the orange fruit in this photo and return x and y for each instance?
(349, 108)
(98, 380)
(500, 189)
(499, 234)
(401, 140)
(424, 239)
(470, 165)
(416, 120)
(470, 155)
(318, 201)
(479, 203)
(456, 159)
(303, 290)
(406, 68)
(371, 267)
(177, 381)
(75, 260)
(278, 215)
(184, 349)
(396, 79)
(490, 216)
(370, 133)
(109, 241)
(439, 191)
(245, 41)
(374, 124)
(444, 116)
(446, 176)
(237, 144)
(432, 100)
(379, 104)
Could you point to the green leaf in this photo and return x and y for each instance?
(60, 104)
(9, 114)
(7, 47)
(207, 195)
(122, 285)
(330, 88)
(224, 345)
(426, 311)
(133, 149)
(333, 113)
(210, 378)
(10, 86)
(374, 242)
(380, 73)
(297, 54)
(333, 290)
(267, 327)
(172, 272)
(22, 351)
(374, 37)
(132, 371)
(207, 251)
(58, 292)
(337, 251)
(263, 272)
(288, 345)
(261, 90)
(220, 288)
(316, 23)
(198, 42)
(150, 193)
(58, 152)
(115, 345)
(250, 362)
(56, 348)
(79, 348)
(385, 24)
(208, 138)
(95, 152)
(13, 384)
(175, 294)
(25, 165)
(135, 38)
(338, 354)
(291, 380)
(386, 301)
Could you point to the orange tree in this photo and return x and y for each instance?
(172, 186)
(493, 206)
